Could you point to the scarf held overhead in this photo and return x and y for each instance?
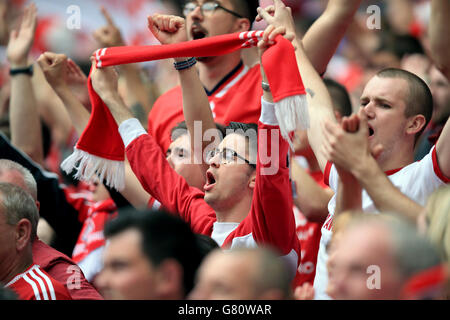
(100, 150)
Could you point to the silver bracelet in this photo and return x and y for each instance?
(265, 86)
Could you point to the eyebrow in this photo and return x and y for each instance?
(378, 100)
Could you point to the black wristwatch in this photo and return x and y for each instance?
(26, 70)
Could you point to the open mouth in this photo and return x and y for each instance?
(198, 32)
(371, 131)
(210, 181)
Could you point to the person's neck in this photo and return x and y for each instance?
(235, 214)
(214, 69)
(16, 268)
(399, 157)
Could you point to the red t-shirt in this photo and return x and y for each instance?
(236, 98)
(308, 234)
(36, 284)
(269, 222)
(64, 270)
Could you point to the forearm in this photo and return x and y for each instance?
(312, 199)
(349, 194)
(77, 112)
(196, 109)
(24, 119)
(117, 107)
(138, 93)
(273, 220)
(133, 191)
(443, 149)
(439, 29)
(319, 102)
(383, 193)
(323, 37)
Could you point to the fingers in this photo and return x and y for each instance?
(152, 26)
(264, 15)
(278, 4)
(163, 22)
(107, 16)
(269, 9)
(363, 124)
(50, 59)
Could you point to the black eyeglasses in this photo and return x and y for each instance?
(227, 156)
(207, 8)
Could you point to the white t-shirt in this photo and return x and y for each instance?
(417, 181)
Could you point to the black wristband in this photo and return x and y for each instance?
(181, 65)
(26, 70)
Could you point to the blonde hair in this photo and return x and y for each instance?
(438, 220)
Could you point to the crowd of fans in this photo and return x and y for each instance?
(206, 197)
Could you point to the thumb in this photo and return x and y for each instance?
(363, 124)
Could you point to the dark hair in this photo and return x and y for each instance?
(247, 8)
(250, 132)
(419, 99)
(164, 236)
(339, 96)
(400, 45)
(181, 129)
(206, 244)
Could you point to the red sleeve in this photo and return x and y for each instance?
(272, 216)
(436, 168)
(326, 173)
(168, 187)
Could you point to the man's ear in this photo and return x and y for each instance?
(170, 280)
(415, 124)
(23, 234)
(252, 180)
(242, 24)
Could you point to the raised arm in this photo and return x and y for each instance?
(196, 110)
(320, 106)
(24, 118)
(443, 150)
(149, 163)
(439, 29)
(58, 70)
(271, 213)
(323, 37)
(139, 96)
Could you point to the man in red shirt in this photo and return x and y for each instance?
(229, 83)
(18, 221)
(57, 264)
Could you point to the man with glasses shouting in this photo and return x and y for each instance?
(242, 205)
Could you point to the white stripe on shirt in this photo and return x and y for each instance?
(49, 283)
(41, 284)
(33, 285)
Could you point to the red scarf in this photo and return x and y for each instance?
(100, 149)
